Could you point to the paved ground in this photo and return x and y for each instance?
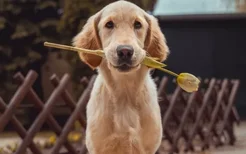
(238, 148)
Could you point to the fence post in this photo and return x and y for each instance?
(17, 98)
(33, 97)
(43, 114)
(19, 128)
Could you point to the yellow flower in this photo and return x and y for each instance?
(74, 136)
(188, 82)
(52, 139)
(50, 142)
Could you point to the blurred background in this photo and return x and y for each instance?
(206, 38)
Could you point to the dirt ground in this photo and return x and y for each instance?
(238, 148)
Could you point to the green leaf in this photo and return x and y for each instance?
(33, 56)
(2, 22)
(21, 62)
(10, 67)
(23, 29)
(47, 4)
(47, 23)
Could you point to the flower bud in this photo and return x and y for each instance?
(188, 82)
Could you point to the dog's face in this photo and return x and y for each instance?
(123, 29)
(126, 33)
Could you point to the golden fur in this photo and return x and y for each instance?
(123, 115)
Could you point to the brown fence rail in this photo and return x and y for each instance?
(190, 121)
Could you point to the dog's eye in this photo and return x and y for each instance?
(137, 25)
(109, 24)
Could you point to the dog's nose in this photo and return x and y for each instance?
(125, 52)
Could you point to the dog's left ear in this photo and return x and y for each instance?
(155, 42)
(88, 38)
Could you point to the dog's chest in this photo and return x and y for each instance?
(132, 111)
(125, 115)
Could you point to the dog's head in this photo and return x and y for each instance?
(126, 34)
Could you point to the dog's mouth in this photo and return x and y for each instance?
(125, 67)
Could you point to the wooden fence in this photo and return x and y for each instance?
(190, 121)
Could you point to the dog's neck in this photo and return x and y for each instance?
(131, 83)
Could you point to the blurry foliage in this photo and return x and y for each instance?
(24, 26)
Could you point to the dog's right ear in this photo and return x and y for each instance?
(88, 38)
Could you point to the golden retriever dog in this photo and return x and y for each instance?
(123, 115)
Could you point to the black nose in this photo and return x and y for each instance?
(125, 52)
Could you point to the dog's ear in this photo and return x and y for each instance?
(88, 38)
(155, 42)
